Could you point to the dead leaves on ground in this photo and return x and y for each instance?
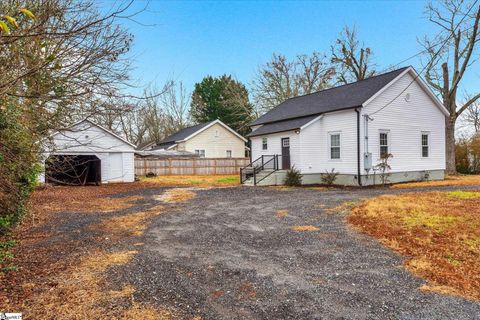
(307, 228)
(439, 231)
(457, 180)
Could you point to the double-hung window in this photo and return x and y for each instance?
(425, 145)
(335, 146)
(200, 153)
(229, 153)
(264, 143)
(384, 149)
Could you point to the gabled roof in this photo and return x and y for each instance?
(280, 126)
(347, 96)
(145, 145)
(164, 145)
(98, 126)
(192, 131)
(184, 133)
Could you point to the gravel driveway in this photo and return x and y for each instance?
(227, 255)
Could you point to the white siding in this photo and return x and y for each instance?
(405, 121)
(215, 140)
(87, 139)
(128, 167)
(275, 146)
(314, 139)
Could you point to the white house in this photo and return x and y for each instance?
(88, 153)
(347, 128)
(213, 139)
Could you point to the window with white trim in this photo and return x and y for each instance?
(384, 139)
(264, 143)
(425, 145)
(229, 153)
(334, 146)
(200, 153)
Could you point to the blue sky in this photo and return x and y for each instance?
(189, 40)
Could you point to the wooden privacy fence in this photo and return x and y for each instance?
(189, 166)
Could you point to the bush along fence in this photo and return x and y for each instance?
(189, 166)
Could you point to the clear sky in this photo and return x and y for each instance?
(189, 40)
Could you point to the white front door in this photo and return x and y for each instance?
(116, 167)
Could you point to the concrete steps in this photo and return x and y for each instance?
(267, 178)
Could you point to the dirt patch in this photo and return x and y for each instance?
(305, 228)
(439, 231)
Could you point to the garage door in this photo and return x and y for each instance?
(116, 167)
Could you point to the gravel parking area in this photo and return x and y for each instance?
(231, 253)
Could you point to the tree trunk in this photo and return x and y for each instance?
(450, 144)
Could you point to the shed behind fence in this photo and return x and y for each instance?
(189, 166)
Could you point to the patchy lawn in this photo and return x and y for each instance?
(195, 181)
(460, 180)
(438, 231)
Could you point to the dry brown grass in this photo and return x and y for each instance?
(460, 180)
(75, 286)
(343, 208)
(128, 225)
(194, 181)
(307, 228)
(176, 195)
(438, 231)
(281, 213)
(79, 294)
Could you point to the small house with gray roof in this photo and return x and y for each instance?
(349, 130)
(213, 139)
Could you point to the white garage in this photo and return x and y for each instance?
(87, 153)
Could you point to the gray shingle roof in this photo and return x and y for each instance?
(184, 133)
(164, 145)
(280, 126)
(347, 96)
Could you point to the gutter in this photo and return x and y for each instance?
(357, 110)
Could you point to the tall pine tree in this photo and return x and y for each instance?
(222, 98)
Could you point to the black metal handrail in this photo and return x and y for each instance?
(272, 162)
(254, 167)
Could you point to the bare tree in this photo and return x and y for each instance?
(471, 116)
(281, 79)
(58, 63)
(352, 59)
(176, 104)
(448, 63)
